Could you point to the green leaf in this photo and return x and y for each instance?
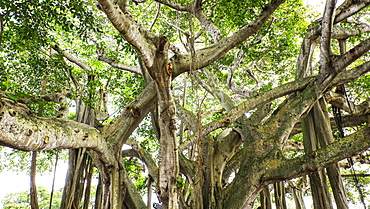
(12, 97)
(5, 85)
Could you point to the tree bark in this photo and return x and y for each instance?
(320, 193)
(297, 191)
(279, 193)
(265, 198)
(75, 180)
(325, 138)
(78, 164)
(33, 189)
(161, 72)
(88, 179)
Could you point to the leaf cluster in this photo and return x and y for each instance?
(21, 200)
(20, 161)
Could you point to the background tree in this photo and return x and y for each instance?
(209, 95)
(21, 200)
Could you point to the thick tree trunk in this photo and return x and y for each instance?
(316, 130)
(161, 72)
(212, 166)
(115, 189)
(111, 195)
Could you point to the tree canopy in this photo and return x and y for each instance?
(218, 101)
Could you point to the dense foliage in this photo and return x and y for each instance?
(21, 200)
(231, 68)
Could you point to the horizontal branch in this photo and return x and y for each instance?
(250, 104)
(349, 8)
(351, 75)
(119, 65)
(347, 121)
(362, 175)
(341, 101)
(344, 33)
(72, 59)
(285, 119)
(317, 160)
(256, 101)
(178, 7)
(28, 98)
(253, 102)
(24, 131)
(352, 55)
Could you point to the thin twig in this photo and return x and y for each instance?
(155, 18)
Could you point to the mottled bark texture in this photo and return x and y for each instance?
(224, 170)
(161, 71)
